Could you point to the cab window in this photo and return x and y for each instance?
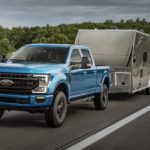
(75, 56)
(86, 53)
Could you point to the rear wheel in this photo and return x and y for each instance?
(56, 114)
(148, 91)
(101, 100)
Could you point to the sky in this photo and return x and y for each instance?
(54, 12)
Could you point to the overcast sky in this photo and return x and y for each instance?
(54, 12)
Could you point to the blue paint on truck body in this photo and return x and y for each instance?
(77, 82)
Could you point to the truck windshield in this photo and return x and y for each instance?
(40, 55)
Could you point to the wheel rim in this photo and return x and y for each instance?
(105, 96)
(60, 108)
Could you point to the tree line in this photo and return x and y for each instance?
(12, 39)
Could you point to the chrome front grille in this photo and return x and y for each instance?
(20, 83)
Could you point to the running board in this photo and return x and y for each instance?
(88, 98)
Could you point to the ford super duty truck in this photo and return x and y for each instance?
(45, 77)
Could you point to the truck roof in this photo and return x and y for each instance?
(49, 45)
(57, 45)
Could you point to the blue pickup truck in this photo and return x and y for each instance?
(45, 77)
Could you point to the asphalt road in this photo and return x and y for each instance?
(25, 131)
(134, 136)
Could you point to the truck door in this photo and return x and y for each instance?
(77, 77)
(90, 73)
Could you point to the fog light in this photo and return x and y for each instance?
(40, 99)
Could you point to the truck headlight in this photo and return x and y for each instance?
(44, 81)
(40, 89)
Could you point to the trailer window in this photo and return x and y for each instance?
(87, 54)
(145, 57)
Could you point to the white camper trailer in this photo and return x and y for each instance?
(126, 51)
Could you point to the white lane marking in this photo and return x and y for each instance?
(103, 133)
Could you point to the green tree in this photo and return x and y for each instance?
(64, 33)
(41, 39)
(6, 47)
(58, 38)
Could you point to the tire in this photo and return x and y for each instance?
(1, 113)
(56, 114)
(148, 91)
(101, 99)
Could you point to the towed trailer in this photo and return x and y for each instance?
(126, 51)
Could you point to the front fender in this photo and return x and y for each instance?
(56, 81)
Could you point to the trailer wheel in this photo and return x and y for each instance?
(56, 114)
(101, 100)
(148, 91)
(1, 113)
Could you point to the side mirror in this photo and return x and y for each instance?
(86, 63)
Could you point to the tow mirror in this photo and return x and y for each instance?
(86, 63)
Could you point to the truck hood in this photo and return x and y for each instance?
(30, 68)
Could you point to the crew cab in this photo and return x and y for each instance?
(46, 77)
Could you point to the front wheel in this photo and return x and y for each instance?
(56, 114)
(101, 100)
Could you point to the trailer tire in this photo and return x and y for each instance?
(101, 100)
(148, 91)
(1, 113)
(56, 114)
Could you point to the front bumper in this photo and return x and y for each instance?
(24, 102)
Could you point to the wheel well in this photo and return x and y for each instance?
(106, 82)
(63, 87)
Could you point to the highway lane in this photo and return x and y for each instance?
(21, 130)
(134, 136)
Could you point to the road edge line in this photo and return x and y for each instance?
(103, 133)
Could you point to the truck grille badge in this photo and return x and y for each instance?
(6, 82)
